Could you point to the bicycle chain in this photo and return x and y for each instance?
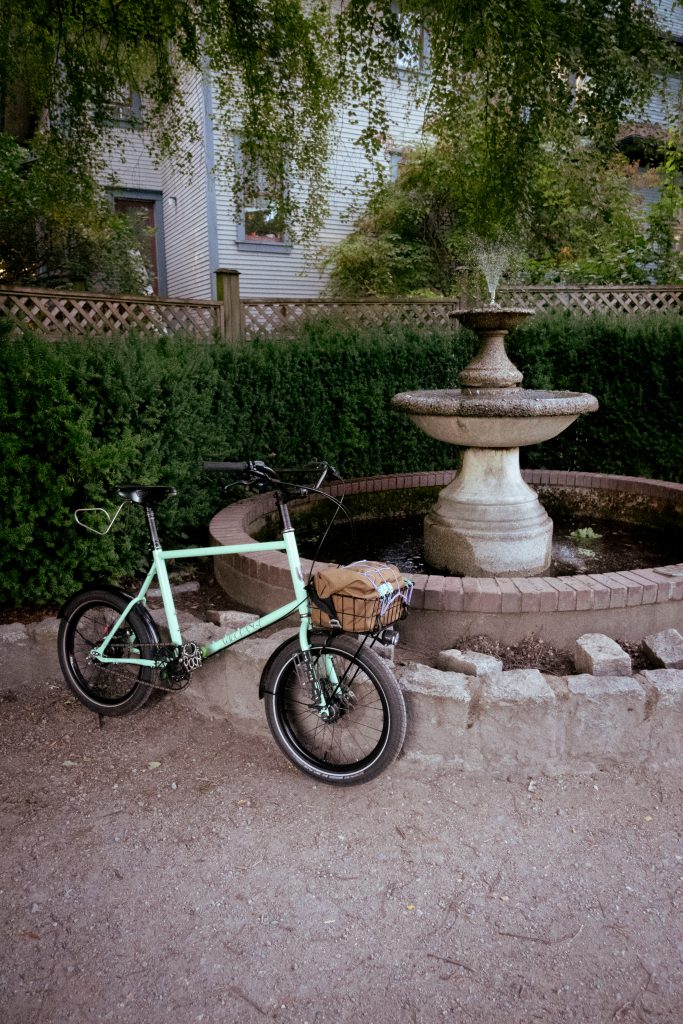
(179, 664)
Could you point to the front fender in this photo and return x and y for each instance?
(293, 641)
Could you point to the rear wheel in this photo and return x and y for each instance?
(348, 725)
(107, 689)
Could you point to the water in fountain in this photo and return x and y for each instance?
(492, 259)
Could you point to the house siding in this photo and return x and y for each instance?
(663, 108)
(186, 215)
(130, 164)
(297, 274)
(200, 222)
(131, 167)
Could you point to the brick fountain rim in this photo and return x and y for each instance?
(625, 605)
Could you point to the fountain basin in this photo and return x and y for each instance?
(493, 318)
(488, 522)
(493, 417)
(625, 605)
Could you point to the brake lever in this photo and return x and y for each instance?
(327, 469)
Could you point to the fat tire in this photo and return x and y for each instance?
(105, 691)
(286, 716)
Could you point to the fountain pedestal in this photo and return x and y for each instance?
(488, 522)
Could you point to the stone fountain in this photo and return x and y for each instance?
(488, 521)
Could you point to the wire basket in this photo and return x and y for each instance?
(364, 614)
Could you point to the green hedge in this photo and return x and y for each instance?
(78, 417)
(634, 366)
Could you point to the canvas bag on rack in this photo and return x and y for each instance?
(361, 596)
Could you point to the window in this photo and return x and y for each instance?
(262, 225)
(395, 158)
(415, 56)
(126, 108)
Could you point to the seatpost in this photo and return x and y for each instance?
(152, 524)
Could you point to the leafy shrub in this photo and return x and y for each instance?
(57, 228)
(634, 367)
(577, 215)
(81, 416)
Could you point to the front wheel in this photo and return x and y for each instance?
(336, 711)
(107, 689)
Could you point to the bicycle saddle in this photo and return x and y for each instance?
(141, 494)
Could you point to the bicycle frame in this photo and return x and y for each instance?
(159, 571)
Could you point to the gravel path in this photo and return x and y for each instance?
(169, 869)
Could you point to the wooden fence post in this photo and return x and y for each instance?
(228, 292)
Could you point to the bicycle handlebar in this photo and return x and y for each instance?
(228, 467)
(257, 472)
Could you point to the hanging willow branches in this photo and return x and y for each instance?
(283, 70)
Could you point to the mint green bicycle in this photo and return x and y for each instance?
(332, 703)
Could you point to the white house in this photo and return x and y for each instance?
(197, 229)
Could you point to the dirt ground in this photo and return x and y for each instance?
(168, 869)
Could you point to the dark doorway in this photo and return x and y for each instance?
(143, 212)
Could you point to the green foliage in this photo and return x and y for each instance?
(634, 367)
(369, 264)
(79, 417)
(416, 232)
(577, 219)
(284, 69)
(586, 224)
(664, 216)
(57, 228)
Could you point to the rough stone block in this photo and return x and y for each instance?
(519, 686)
(665, 648)
(231, 620)
(607, 720)
(14, 633)
(666, 686)
(28, 657)
(438, 705)
(228, 683)
(599, 655)
(471, 663)
(517, 721)
(46, 629)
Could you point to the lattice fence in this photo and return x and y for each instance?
(284, 317)
(596, 299)
(58, 314)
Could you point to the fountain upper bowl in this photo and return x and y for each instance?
(493, 318)
(495, 417)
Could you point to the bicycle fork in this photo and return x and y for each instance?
(331, 693)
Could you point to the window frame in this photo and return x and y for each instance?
(249, 244)
(422, 50)
(125, 114)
